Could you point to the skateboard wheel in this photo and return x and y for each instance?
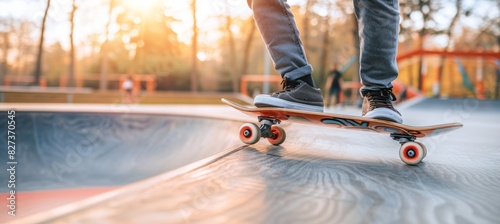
(249, 133)
(279, 134)
(423, 147)
(411, 153)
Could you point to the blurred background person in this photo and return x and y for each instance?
(128, 87)
(335, 91)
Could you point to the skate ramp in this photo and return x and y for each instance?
(67, 156)
(58, 150)
(323, 175)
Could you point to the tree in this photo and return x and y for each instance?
(23, 46)
(449, 33)
(425, 7)
(5, 45)
(54, 62)
(5, 52)
(426, 10)
(232, 49)
(103, 79)
(248, 46)
(151, 44)
(38, 65)
(71, 72)
(194, 50)
(306, 20)
(326, 44)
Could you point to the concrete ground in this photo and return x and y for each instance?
(319, 175)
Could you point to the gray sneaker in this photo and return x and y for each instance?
(296, 94)
(378, 105)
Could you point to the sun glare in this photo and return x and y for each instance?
(201, 56)
(141, 5)
(208, 13)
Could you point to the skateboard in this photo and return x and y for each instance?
(411, 152)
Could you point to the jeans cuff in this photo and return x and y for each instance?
(299, 72)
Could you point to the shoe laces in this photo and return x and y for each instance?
(381, 98)
(287, 85)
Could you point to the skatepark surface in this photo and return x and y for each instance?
(186, 164)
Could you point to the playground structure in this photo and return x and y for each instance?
(463, 74)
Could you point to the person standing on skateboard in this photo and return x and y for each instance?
(378, 31)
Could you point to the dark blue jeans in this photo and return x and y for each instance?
(378, 31)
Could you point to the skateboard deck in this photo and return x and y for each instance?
(269, 116)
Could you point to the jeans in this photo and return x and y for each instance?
(378, 31)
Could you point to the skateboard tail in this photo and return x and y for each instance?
(444, 130)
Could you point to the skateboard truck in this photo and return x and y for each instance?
(251, 133)
(266, 124)
(411, 151)
(402, 138)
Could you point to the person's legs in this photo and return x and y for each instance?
(332, 97)
(338, 97)
(279, 31)
(378, 31)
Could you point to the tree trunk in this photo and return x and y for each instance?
(305, 25)
(71, 72)
(194, 50)
(103, 79)
(5, 52)
(38, 65)
(426, 15)
(421, 35)
(450, 37)
(324, 50)
(232, 54)
(248, 47)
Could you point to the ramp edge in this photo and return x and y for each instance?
(52, 214)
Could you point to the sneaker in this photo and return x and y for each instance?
(378, 105)
(296, 94)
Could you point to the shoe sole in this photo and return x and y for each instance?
(268, 101)
(385, 114)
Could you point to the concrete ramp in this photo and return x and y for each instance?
(68, 156)
(322, 175)
(75, 150)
